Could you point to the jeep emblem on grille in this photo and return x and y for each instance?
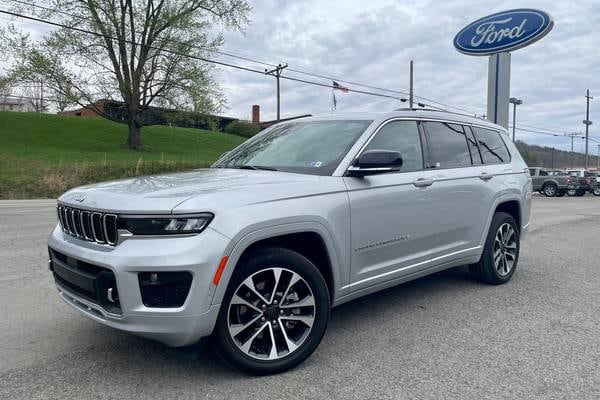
(80, 198)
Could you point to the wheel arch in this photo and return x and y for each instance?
(549, 182)
(312, 240)
(509, 204)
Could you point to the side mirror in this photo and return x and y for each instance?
(373, 162)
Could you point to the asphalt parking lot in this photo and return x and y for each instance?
(443, 336)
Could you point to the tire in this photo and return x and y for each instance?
(550, 190)
(245, 338)
(571, 192)
(560, 193)
(596, 191)
(579, 193)
(505, 245)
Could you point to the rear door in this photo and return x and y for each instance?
(462, 192)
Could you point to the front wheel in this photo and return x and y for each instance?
(596, 191)
(501, 253)
(274, 313)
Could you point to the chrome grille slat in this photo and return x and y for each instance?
(88, 225)
(84, 216)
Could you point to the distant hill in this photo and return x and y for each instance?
(541, 156)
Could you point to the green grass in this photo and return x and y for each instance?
(42, 155)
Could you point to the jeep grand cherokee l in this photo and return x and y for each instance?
(305, 216)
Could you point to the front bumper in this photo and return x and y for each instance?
(178, 326)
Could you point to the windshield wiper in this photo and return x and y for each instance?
(255, 167)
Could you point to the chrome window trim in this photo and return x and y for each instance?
(431, 119)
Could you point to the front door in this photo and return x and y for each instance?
(391, 228)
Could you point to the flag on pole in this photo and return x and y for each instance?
(337, 86)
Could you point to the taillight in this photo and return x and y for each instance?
(568, 180)
(589, 181)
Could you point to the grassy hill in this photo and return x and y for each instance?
(42, 155)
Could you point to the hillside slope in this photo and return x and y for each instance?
(42, 155)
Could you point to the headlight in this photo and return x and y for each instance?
(165, 225)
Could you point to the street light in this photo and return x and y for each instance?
(515, 102)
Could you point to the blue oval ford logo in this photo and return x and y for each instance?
(503, 31)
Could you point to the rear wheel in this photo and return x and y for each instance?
(501, 253)
(596, 191)
(274, 313)
(550, 190)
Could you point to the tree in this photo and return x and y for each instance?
(140, 52)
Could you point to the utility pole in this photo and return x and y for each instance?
(598, 159)
(277, 73)
(587, 124)
(515, 102)
(552, 158)
(410, 91)
(572, 136)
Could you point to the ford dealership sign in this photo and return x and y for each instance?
(503, 32)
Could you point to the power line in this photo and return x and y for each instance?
(234, 55)
(208, 60)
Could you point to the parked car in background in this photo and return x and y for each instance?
(552, 182)
(587, 182)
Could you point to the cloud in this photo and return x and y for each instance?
(373, 42)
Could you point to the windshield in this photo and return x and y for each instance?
(312, 147)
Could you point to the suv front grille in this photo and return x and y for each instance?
(88, 225)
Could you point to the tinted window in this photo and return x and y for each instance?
(447, 145)
(532, 171)
(543, 173)
(473, 148)
(401, 136)
(492, 147)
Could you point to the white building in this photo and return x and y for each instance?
(18, 105)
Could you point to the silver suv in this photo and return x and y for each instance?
(305, 216)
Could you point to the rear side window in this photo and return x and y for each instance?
(447, 145)
(543, 173)
(401, 136)
(475, 156)
(492, 147)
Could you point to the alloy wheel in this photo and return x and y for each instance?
(505, 249)
(271, 314)
(550, 191)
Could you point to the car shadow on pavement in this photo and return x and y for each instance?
(124, 354)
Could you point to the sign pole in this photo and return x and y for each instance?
(498, 88)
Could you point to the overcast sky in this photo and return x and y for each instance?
(372, 43)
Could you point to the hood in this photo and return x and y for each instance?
(162, 193)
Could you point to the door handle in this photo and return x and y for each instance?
(485, 176)
(423, 182)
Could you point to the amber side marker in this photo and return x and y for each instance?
(220, 270)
